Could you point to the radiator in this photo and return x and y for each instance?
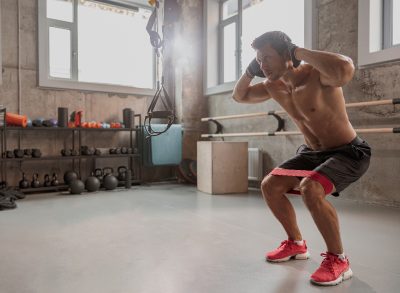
(255, 164)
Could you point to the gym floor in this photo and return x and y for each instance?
(172, 238)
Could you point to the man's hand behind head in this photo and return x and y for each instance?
(254, 69)
(292, 48)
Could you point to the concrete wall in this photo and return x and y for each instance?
(337, 24)
(36, 102)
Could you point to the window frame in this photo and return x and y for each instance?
(1, 53)
(213, 35)
(44, 79)
(388, 52)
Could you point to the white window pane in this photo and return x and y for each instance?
(229, 52)
(229, 8)
(270, 15)
(396, 22)
(60, 52)
(375, 25)
(60, 10)
(113, 45)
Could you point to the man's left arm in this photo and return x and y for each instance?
(335, 70)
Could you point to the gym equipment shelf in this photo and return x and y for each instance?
(134, 160)
(47, 158)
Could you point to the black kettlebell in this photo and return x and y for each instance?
(36, 153)
(54, 181)
(92, 183)
(98, 173)
(28, 152)
(18, 153)
(74, 152)
(70, 176)
(76, 186)
(47, 181)
(23, 183)
(122, 173)
(65, 152)
(110, 182)
(3, 185)
(35, 180)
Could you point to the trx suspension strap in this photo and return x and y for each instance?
(161, 93)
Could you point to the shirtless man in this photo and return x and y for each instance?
(333, 156)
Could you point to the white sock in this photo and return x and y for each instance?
(299, 242)
(341, 256)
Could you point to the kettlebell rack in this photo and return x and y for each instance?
(134, 160)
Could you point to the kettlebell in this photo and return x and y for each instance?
(3, 184)
(47, 181)
(98, 173)
(18, 153)
(65, 152)
(35, 181)
(76, 186)
(122, 173)
(28, 152)
(92, 183)
(23, 183)
(54, 181)
(110, 182)
(70, 176)
(36, 153)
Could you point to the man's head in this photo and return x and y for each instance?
(273, 53)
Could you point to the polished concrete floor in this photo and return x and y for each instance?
(173, 239)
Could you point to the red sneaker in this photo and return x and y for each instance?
(332, 271)
(288, 250)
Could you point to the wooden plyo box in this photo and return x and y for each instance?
(222, 167)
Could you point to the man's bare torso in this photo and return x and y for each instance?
(318, 111)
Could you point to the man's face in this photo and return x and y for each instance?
(271, 63)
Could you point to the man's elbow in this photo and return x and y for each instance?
(238, 98)
(344, 73)
(347, 71)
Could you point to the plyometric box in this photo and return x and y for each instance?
(222, 167)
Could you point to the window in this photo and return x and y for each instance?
(378, 31)
(95, 45)
(231, 26)
(1, 63)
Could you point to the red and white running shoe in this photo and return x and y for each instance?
(288, 250)
(332, 271)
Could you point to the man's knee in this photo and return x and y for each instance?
(312, 192)
(272, 186)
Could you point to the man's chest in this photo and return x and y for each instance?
(302, 103)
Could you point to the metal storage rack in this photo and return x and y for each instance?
(134, 160)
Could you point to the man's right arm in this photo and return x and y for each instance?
(250, 94)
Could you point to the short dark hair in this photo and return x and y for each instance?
(277, 39)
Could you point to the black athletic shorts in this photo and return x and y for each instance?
(339, 166)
